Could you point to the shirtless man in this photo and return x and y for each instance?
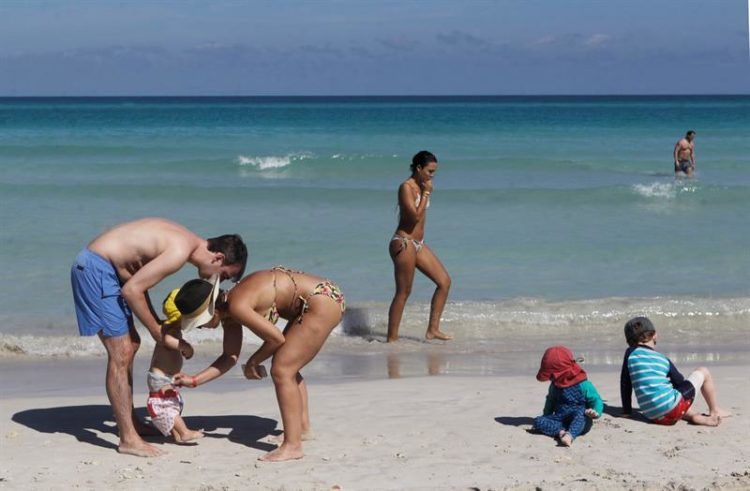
(684, 155)
(111, 278)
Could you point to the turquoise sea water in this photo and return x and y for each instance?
(549, 198)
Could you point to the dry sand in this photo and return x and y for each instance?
(439, 432)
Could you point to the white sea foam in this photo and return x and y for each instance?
(664, 190)
(656, 190)
(485, 327)
(272, 161)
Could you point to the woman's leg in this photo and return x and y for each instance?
(404, 256)
(429, 264)
(302, 343)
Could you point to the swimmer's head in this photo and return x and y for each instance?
(690, 135)
(639, 330)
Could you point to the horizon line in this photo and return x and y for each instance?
(146, 96)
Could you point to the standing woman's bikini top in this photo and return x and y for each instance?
(419, 200)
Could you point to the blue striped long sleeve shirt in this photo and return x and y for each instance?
(653, 377)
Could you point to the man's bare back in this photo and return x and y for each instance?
(132, 245)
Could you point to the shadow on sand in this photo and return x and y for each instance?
(84, 422)
(515, 420)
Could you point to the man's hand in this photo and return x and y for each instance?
(185, 380)
(254, 372)
(186, 349)
(591, 413)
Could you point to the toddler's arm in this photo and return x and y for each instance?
(594, 403)
(549, 403)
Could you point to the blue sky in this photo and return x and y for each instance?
(287, 47)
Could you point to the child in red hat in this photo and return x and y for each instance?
(571, 397)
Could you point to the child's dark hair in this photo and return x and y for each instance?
(639, 330)
(421, 159)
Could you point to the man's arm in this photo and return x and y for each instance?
(676, 158)
(134, 291)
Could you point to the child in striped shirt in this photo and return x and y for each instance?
(664, 395)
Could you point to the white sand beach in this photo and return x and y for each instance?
(428, 432)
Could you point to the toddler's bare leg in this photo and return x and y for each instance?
(182, 433)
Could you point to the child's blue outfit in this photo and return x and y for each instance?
(565, 409)
(570, 394)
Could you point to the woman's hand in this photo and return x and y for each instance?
(426, 186)
(186, 349)
(184, 380)
(253, 371)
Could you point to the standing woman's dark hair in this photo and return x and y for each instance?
(409, 252)
(421, 159)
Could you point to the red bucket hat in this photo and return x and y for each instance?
(559, 366)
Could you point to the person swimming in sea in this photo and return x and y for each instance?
(684, 155)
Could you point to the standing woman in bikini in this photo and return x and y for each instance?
(409, 252)
(313, 306)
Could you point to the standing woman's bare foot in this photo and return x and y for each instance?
(279, 439)
(284, 452)
(438, 335)
(139, 449)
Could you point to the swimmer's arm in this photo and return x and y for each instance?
(676, 159)
(232, 345)
(134, 291)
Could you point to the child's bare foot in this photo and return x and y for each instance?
(284, 452)
(438, 335)
(279, 439)
(703, 419)
(139, 449)
(722, 413)
(188, 436)
(566, 439)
